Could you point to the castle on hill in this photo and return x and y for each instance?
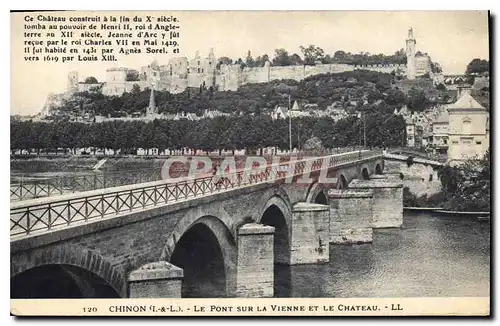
(181, 73)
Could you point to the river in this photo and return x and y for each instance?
(431, 256)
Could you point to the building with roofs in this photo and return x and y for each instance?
(468, 129)
(410, 133)
(440, 136)
(282, 112)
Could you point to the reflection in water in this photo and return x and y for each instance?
(429, 256)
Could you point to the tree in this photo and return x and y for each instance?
(281, 58)
(296, 59)
(132, 75)
(339, 56)
(260, 61)
(417, 99)
(467, 187)
(477, 66)
(441, 87)
(91, 80)
(224, 61)
(313, 144)
(312, 54)
(436, 67)
(136, 89)
(249, 61)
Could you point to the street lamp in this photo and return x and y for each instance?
(289, 122)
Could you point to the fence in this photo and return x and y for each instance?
(25, 188)
(44, 214)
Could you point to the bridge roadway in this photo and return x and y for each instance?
(100, 242)
(49, 213)
(29, 187)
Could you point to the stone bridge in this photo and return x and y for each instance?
(197, 238)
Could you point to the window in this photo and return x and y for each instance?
(478, 143)
(445, 141)
(455, 142)
(466, 125)
(466, 141)
(198, 63)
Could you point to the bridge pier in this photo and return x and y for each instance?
(310, 234)
(255, 267)
(387, 200)
(351, 214)
(156, 280)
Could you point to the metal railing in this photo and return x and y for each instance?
(28, 188)
(45, 214)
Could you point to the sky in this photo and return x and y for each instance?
(451, 38)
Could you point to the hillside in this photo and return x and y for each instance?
(351, 88)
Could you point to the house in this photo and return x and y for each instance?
(440, 132)
(279, 112)
(410, 133)
(468, 129)
(282, 112)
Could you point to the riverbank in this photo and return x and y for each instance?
(439, 211)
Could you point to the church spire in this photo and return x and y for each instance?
(152, 105)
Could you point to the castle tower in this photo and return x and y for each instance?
(410, 55)
(211, 55)
(73, 81)
(152, 109)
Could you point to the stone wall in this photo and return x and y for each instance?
(310, 234)
(351, 213)
(255, 271)
(387, 201)
(156, 280)
(421, 179)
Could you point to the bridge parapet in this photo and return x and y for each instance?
(415, 159)
(36, 216)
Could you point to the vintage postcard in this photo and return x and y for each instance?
(250, 163)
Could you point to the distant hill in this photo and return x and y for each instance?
(352, 88)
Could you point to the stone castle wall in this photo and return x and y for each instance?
(230, 77)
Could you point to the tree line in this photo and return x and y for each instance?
(229, 133)
(312, 55)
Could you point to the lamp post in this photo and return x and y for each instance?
(289, 123)
(364, 129)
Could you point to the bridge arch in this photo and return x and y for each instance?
(317, 193)
(365, 174)
(378, 169)
(206, 250)
(342, 182)
(84, 273)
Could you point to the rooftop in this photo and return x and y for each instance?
(466, 101)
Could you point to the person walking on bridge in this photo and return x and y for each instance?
(217, 180)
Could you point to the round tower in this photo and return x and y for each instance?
(410, 55)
